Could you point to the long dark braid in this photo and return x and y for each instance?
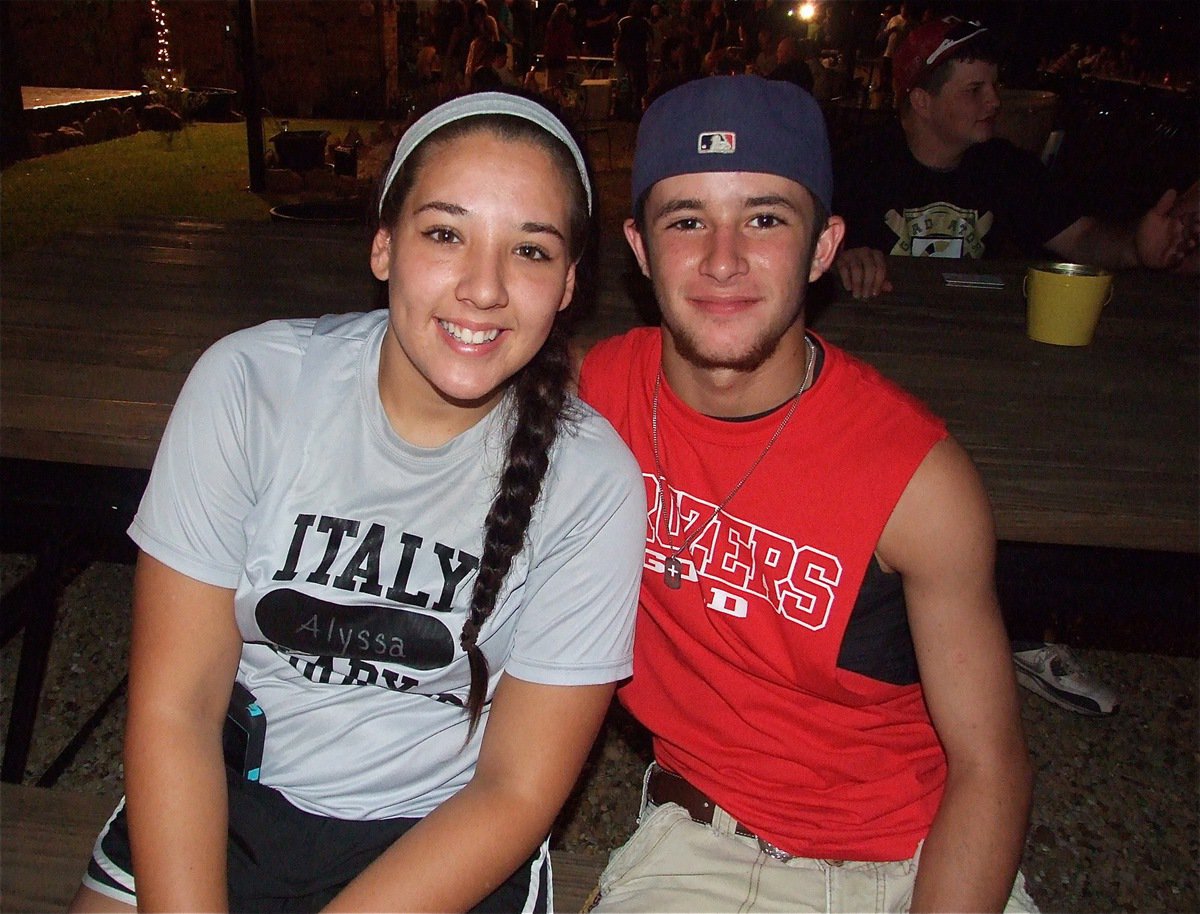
(538, 394)
(539, 403)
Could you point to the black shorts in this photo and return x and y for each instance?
(284, 859)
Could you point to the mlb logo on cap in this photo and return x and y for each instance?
(716, 141)
(770, 126)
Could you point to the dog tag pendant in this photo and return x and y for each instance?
(672, 573)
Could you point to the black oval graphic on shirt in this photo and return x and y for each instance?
(387, 634)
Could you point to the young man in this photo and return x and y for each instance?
(940, 184)
(819, 654)
(631, 56)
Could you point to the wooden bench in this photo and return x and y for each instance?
(46, 837)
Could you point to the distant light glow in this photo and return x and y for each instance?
(807, 11)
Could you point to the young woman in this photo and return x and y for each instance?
(559, 44)
(415, 554)
(484, 34)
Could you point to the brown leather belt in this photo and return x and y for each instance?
(667, 787)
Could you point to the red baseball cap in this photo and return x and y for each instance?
(925, 47)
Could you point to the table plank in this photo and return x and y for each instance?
(1092, 446)
(96, 346)
(59, 379)
(576, 877)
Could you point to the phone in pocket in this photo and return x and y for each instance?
(245, 733)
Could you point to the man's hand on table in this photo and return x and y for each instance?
(1187, 211)
(863, 272)
(1163, 238)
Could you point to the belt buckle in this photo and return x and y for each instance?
(772, 851)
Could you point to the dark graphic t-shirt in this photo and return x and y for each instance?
(999, 201)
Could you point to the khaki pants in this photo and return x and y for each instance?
(674, 864)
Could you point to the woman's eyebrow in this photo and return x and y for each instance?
(544, 228)
(451, 209)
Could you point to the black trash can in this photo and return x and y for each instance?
(345, 160)
(300, 150)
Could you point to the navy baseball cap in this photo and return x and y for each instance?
(734, 123)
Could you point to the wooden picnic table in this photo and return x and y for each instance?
(100, 327)
(98, 330)
(1093, 446)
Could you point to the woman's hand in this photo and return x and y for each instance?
(536, 741)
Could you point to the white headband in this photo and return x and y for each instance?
(483, 103)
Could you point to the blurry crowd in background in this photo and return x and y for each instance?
(1124, 74)
(1126, 57)
(838, 49)
(645, 47)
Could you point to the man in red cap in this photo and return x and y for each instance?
(940, 184)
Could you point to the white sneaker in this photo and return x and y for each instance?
(1053, 672)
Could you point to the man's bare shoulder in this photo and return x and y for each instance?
(942, 517)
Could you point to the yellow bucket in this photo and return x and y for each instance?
(1065, 301)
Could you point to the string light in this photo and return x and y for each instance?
(163, 54)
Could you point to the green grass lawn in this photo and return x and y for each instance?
(201, 172)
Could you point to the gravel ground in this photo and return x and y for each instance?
(1115, 825)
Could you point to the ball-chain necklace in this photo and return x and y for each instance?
(672, 569)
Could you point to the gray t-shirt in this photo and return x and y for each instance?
(353, 555)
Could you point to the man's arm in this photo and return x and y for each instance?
(940, 538)
(1159, 240)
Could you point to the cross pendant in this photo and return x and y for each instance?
(672, 573)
